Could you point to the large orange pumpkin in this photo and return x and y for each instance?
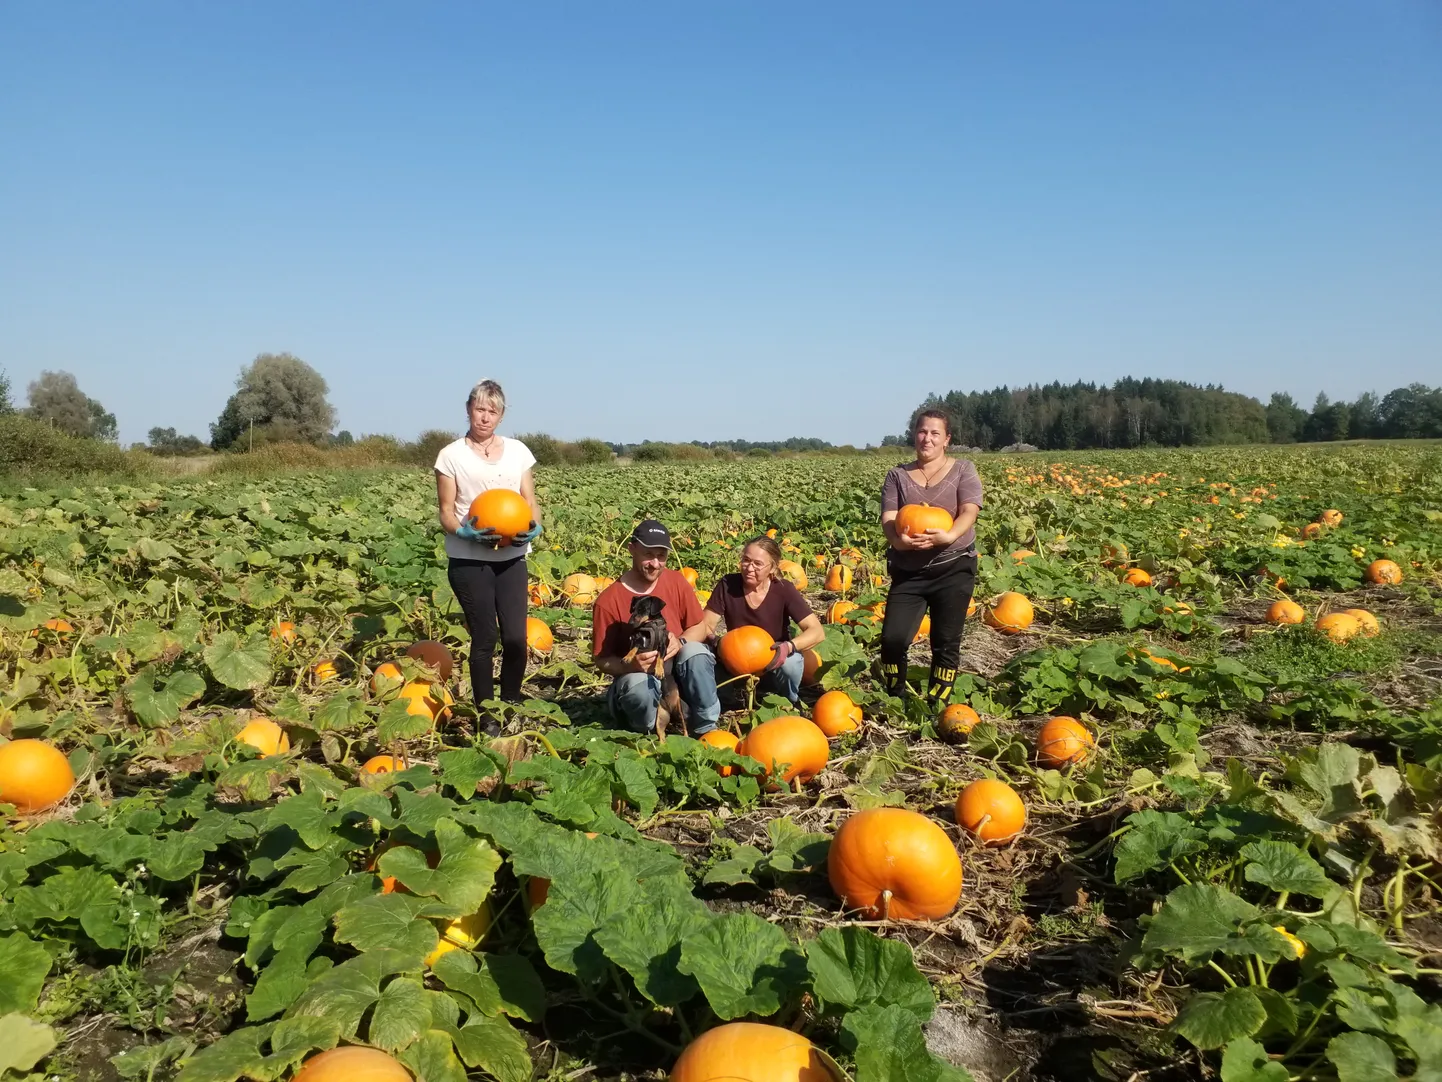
(34, 775)
(1010, 613)
(503, 510)
(721, 738)
(1369, 625)
(1383, 573)
(539, 636)
(835, 713)
(916, 518)
(432, 653)
(793, 573)
(836, 613)
(581, 589)
(812, 666)
(751, 1052)
(892, 863)
(1135, 576)
(991, 811)
(1339, 626)
(352, 1063)
(1330, 517)
(838, 579)
(1285, 612)
(956, 721)
(385, 671)
(1062, 741)
(265, 736)
(381, 764)
(794, 742)
(746, 650)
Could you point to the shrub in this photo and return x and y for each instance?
(652, 452)
(428, 445)
(30, 448)
(594, 452)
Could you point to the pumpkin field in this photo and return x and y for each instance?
(1183, 819)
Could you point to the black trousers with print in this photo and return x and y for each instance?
(492, 594)
(943, 591)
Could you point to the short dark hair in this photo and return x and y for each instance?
(936, 415)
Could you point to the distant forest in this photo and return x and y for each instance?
(1168, 413)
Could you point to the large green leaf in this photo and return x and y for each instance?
(155, 704)
(1156, 838)
(494, 1046)
(888, 1046)
(646, 942)
(386, 921)
(463, 877)
(1361, 1057)
(1283, 866)
(1212, 1019)
(851, 967)
(243, 666)
(1199, 919)
(23, 1043)
(25, 965)
(496, 983)
(745, 965)
(401, 1015)
(1244, 1060)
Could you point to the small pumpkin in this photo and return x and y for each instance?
(1284, 612)
(689, 574)
(956, 721)
(1339, 626)
(1010, 613)
(894, 864)
(265, 736)
(1312, 531)
(793, 573)
(539, 636)
(1330, 517)
(991, 811)
(34, 775)
(423, 703)
(795, 743)
(381, 764)
(283, 632)
(1384, 573)
(323, 671)
(580, 589)
(503, 510)
(352, 1063)
(751, 1052)
(835, 713)
(838, 579)
(1135, 576)
(385, 672)
(721, 738)
(434, 654)
(836, 612)
(57, 624)
(1113, 553)
(916, 518)
(746, 650)
(812, 666)
(1063, 741)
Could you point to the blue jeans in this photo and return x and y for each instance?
(785, 681)
(634, 697)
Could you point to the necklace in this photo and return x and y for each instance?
(931, 477)
(484, 449)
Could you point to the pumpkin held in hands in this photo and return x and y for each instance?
(915, 519)
(503, 510)
(747, 650)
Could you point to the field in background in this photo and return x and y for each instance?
(196, 909)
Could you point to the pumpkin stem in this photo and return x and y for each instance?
(886, 905)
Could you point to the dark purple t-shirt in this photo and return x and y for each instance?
(783, 602)
(960, 485)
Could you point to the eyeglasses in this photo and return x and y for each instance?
(755, 563)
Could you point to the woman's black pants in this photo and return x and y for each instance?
(945, 591)
(492, 594)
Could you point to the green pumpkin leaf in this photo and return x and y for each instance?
(646, 943)
(244, 667)
(1361, 1057)
(433, 1058)
(25, 965)
(463, 877)
(387, 921)
(745, 965)
(23, 1043)
(1212, 1019)
(1199, 919)
(155, 704)
(851, 967)
(401, 1015)
(493, 1045)
(1244, 1060)
(888, 1046)
(1283, 866)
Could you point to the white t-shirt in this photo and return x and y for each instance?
(474, 475)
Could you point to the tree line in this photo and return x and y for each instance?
(1170, 413)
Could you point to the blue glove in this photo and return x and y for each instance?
(487, 537)
(525, 537)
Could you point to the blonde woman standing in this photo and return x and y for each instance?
(489, 581)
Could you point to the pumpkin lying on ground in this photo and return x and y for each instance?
(750, 1052)
(794, 742)
(955, 722)
(793, 573)
(991, 811)
(539, 636)
(580, 589)
(1009, 613)
(1330, 517)
(747, 650)
(1135, 576)
(284, 632)
(381, 764)
(1285, 612)
(1063, 741)
(838, 612)
(838, 579)
(434, 654)
(421, 700)
(323, 671)
(34, 775)
(835, 713)
(503, 510)
(1383, 573)
(721, 738)
(812, 666)
(689, 574)
(265, 736)
(1339, 626)
(1369, 626)
(894, 864)
(352, 1063)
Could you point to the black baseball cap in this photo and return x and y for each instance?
(652, 535)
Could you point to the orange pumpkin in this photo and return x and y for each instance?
(539, 636)
(381, 764)
(956, 721)
(1339, 626)
(1369, 627)
(1020, 556)
(1330, 517)
(1312, 531)
(1285, 612)
(432, 653)
(323, 671)
(751, 1052)
(746, 650)
(835, 713)
(386, 670)
(56, 624)
(923, 630)
(1063, 741)
(34, 775)
(991, 811)
(1113, 553)
(894, 864)
(689, 574)
(836, 613)
(916, 518)
(793, 742)
(1383, 573)
(793, 573)
(1009, 613)
(422, 703)
(1135, 576)
(812, 666)
(581, 589)
(503, 510)
(838, 579)
(540, 593)
(850, 556)
(284, 632)
(352, 1063)
(265, 736)
(721, 738)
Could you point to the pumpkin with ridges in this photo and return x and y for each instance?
(750, 1052)
(746, 650)
(794, 742)
(892, 863)
(503, 510)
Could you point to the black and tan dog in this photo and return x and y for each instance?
(649, 634)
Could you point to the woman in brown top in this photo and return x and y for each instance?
(935, 571)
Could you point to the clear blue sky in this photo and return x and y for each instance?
(707, 220)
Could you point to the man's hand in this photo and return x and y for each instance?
(781, 651)
(487, 536)
(644, 662)
(673, 646)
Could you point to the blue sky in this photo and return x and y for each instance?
(716, 220)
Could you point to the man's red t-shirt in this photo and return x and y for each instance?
(611, 614)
